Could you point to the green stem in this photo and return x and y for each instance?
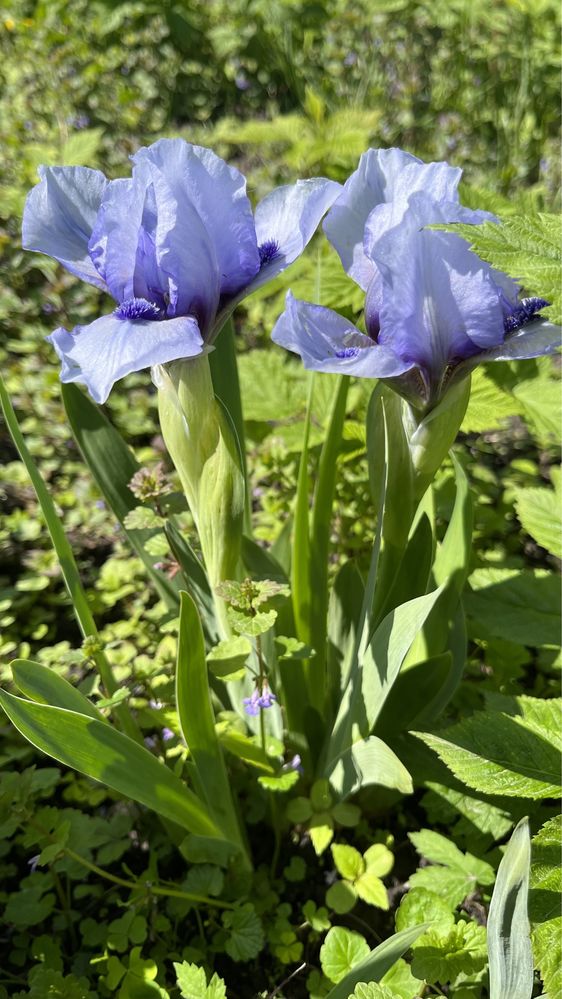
(147, 887)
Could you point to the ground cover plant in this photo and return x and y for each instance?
(280, 648)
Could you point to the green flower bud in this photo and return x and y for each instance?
(202, 444)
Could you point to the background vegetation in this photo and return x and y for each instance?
(286, 88)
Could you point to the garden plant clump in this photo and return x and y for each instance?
(282, 506)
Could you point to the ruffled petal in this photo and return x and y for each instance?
(440, 303)
(286, 221)
(185, 252)
(100, 354)
(114, 244)
(383, 175)
(326, 341)
(218, 192)
(59, 215)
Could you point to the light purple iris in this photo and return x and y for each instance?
(176, 245)
(433, 309)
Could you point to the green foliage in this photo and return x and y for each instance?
(527, 247)
(341, 951)
(544, 903)
(512, 754)
(192, 982)
(361, 877)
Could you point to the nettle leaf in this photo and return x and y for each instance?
(519, 605)
(442, 958)
(544, 904)
(246, 937)
(453, 874)
(527, 247)
(540, 514)
(341, 951)
(542, 407)
(192, 983)
(489, 405)
(496, 753)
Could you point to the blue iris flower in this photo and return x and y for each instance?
(433, 309)
(176, 245)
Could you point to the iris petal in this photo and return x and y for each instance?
(327, 342)
(289, 217)
(533, 340)
(383, 176)
(218, 193)
(60, 213)
(100, 354)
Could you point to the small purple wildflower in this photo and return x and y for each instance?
(259, 699)
(167, 734)
(294, 764)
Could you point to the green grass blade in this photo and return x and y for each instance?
(99, 751)
(509, 940)
(226, 383)
(320, 539)
(197, 721)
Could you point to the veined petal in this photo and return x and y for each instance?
(185, 252)
(115, 239)
(218, 192)
(533, 340)
(59, 215)
(286, 220)
(100, 354)
(326, 341)
(440, 303)
(382, 176)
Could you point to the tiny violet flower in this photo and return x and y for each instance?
(176, 245)
(294, 764)
(433, 309)
(260, 699)
(167, 734)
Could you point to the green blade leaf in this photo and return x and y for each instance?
(99, 751)
(368, 762)
(509, 943)
(378, 962)
(44, 686)
(64, 554)
(197, 720)
(320, 539)
(113, 465)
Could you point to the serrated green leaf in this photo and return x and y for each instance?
(489, 405)
(142, 518)
(527, 247)
(421, 905)
(518, 605)
(401, 981)
(192, 981)
(246, 938)
(544, 904)
(377, 963)
(496, 753)
(228, 659)
(442, 958)
(541, 402)
(441, 850)
(372, 990)
(540, 514)
(341, 951)
(252, 625)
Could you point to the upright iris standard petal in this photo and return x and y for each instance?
(286, 221)
(326, 341)
(218, 194)
(383, 176)
(60, 214)
(110, 348)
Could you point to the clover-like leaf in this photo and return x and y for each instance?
(246, 938)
